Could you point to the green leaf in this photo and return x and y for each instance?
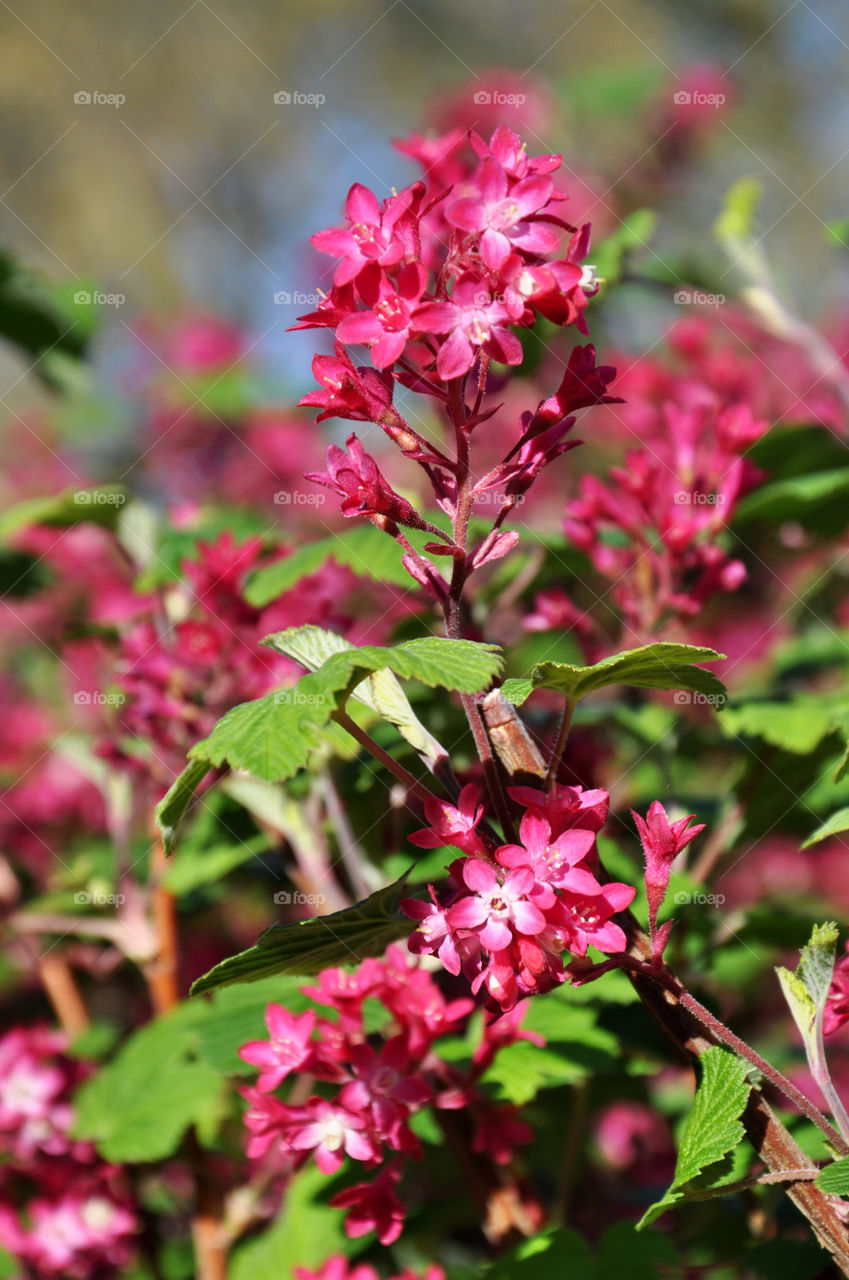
(381, 692)
(274, 736)
(138, 1107)
(798, 726)
(234, 1015)
(555, 1252)
(653, 666)
(581, 1049)
(713, 1128)
(736, 221)
(838, 822)
(843, 766)
(304, 1234)
(838, 232)
(610, 255)
(45, 321)
(101, 506)
(796, 497)
(343, 937)
(205, 866)
(806, 990)
(367, 551)
(834, 1179)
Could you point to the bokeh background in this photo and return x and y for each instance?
(200, 190)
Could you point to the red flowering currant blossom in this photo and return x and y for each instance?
(373, 1206)
(359, 394)
(587, 921)
(330, 1131)
(498, 906)
(385, 327)
(662, 841)
(286, 1051)
(475, 320)
(452, 825)
(503, 214)
(837, 1006)
(375, 234)
(356, 477)
(556, 861)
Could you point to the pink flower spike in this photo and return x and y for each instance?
(662, 841)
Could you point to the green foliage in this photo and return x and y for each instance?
(50, 324)
(838, 822)
(834, 1179)
(305, 1234)
(578, 1048)
(610, 256)
(231, 1016)
(797, 725)
(138, 1107)
(364, 550)
(273, 737)
(713, 1129)
(344, 937)
(806, 990)
(562, 1252)
(737, 219)
(802, 498)
(653, 666)
(101, 506)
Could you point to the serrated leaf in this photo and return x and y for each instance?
(306, 947)
(713, 1128)
(834, 1179)
(797, 726)
(234, 1015)
(838, 822)
(653, 666)
(806, 990)
(138, 1107)
(274, 736)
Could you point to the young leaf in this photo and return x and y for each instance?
(834, 1179)
(653, 666)
(363, 549)
(806, 990)
(838, 822)
(138, 1107)
(344, 937)
(274, 736)
(799, 725)
(713, 1128)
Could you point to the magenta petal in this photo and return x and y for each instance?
(527, 918)
(363, 326)
(479, 876)
(494, 248)
(388, 348)
(455, 356)
(466, 213)
(362, 205)
(496, 936)
(609, 938)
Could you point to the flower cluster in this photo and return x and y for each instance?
(512, 911)
(63, 1212)
(375, 1083)
(437, 281)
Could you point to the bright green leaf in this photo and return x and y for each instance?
(653, 666)
(838, 822)
(834, 1179)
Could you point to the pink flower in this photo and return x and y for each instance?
(385, 1091)
(498, 907)
(386, 325)
(587, 919)
(565, 807)
(373, 1207)
(555, 861)
(450, 825)
(837, 1006)
(434, 935)
(359, 394)
(286, 1051)
(502, 214)
(662, 841)
(475, 320)
(374, 234)
(331, 1132)
(356, 477)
